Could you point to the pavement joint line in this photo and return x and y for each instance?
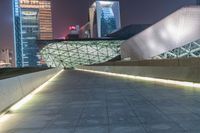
(131, 108)
(146, 79)
(4, 115)
(160, 110)
(79, 117)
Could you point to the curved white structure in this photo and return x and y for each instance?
(174, 31)
(80, 52)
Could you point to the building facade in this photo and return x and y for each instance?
(32, 21)
(73, 53)
(175, 36)
(104, 17)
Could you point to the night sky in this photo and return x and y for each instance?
(72, 12)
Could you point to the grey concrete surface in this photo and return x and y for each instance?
(179, 62)
(80, 102)
(14, 89)
(178, 73)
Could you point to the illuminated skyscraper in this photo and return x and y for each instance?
(104, 18)
(32, 21)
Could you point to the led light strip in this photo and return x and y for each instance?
(18, 105)
(165, 81)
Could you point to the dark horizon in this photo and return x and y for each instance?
(68, 12)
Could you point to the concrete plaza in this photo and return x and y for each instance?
(81, 102)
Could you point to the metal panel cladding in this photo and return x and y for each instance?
(178, 29)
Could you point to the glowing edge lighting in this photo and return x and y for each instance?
(4, 117)
(165, 81)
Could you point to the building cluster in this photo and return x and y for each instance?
(104, 18)
(33, 22)
(176, 36)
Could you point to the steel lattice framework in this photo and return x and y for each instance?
(190, 50)
(74, 53)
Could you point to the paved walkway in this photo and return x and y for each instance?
(80, 102)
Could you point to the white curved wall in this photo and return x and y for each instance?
(13, 89)
(176, 30)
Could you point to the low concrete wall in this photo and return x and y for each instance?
(14, 89)
(189, 74)
(160, 62)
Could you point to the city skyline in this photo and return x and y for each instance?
(70, 13)
(99, 66)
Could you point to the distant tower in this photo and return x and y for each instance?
(104, 17)
(198, 2)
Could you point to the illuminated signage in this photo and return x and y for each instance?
(34, 4)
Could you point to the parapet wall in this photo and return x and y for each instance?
(179, 73)
(179, 62)
(176, 30)
(14, 89)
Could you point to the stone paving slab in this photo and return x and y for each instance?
(80, 102)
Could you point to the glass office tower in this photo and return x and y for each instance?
(104, 18)
(32, 21)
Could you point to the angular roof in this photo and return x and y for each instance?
(178, 29)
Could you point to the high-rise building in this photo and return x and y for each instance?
(32, 21)
(104, 18)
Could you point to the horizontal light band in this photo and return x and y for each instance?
(165, 81)
(18, 105)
